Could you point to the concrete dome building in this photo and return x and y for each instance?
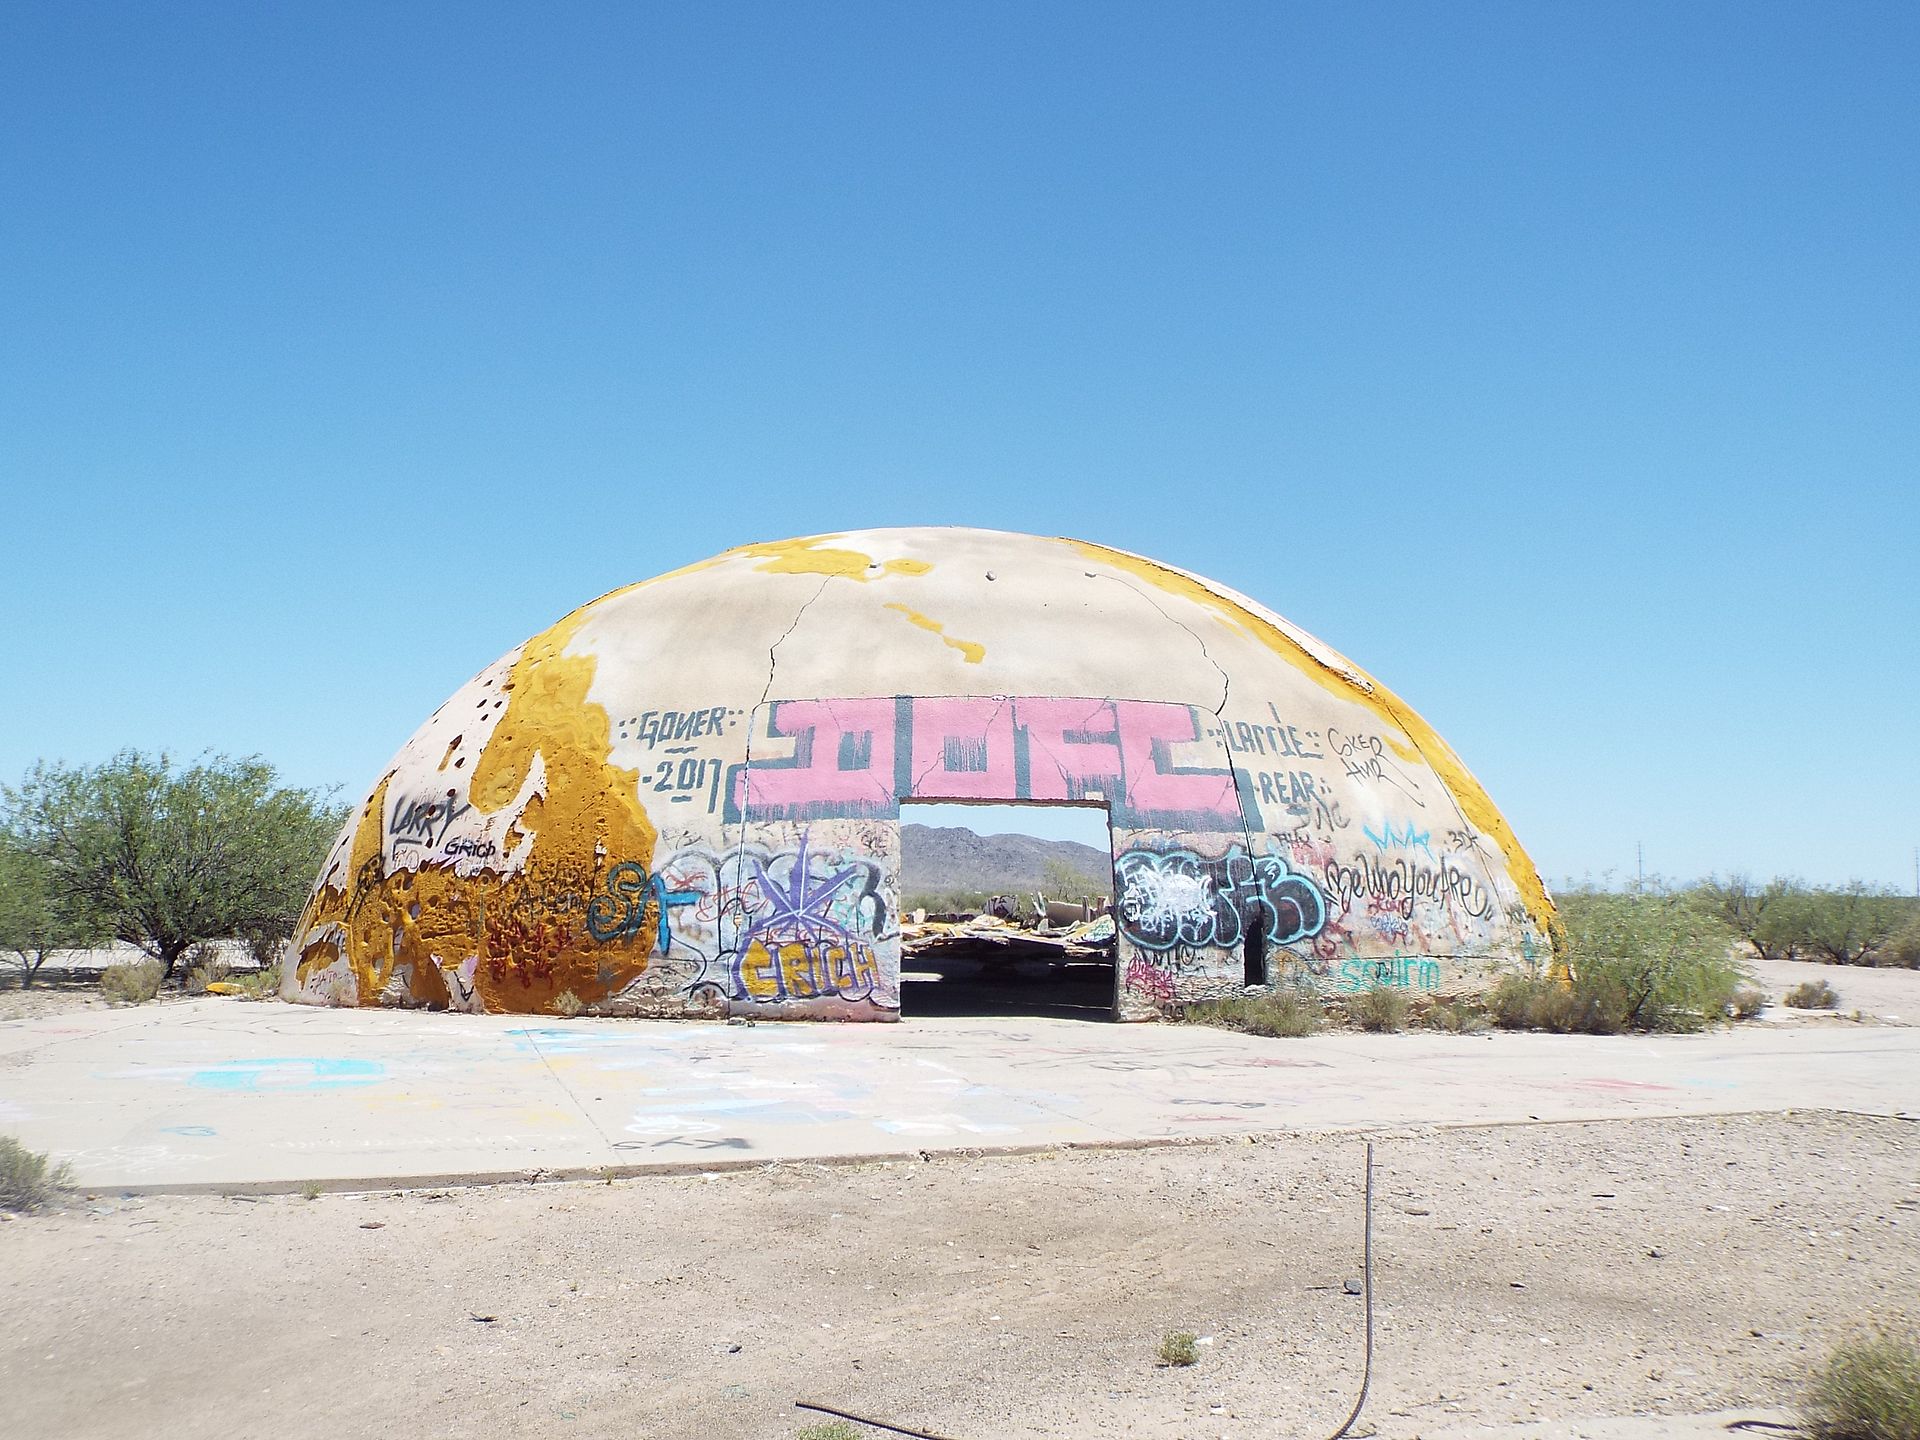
(684, 798)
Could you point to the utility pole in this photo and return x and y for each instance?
(1639, 865)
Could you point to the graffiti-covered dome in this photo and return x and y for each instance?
(685, 796)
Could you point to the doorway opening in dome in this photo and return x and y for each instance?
(1006, 909)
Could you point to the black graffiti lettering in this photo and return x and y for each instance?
(425, 822)
(1401, 883)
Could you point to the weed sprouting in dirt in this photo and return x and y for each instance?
(28, 1180)
(832, 1430)
(1178, 1348)
(1868, 1388)
(568, 1004)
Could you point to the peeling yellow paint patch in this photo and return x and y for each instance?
(525, 932)
(1475, 804)
(806, 557)
(972, 651)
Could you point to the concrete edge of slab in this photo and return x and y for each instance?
(579, 1174)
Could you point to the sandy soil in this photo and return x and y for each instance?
(1524, 1273)
(1888, 995)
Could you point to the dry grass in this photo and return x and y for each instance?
(1381, 1009)
(205, 966)
(133, 984)
(1868, 1389)
(1812, 995)
(1456, 1017)
(1287, 1012)
(1748, 1001)
(27, 1180)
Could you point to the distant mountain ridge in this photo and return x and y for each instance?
(942, 860)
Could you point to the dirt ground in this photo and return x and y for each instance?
(1523, 1273)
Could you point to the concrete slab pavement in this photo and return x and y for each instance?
(221, 1094)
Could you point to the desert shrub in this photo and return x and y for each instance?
(27, 1179)
(1456, 1017)
(1179, 1347)
(1288, 1012)
(261, 984)
(832, 1430)
(567, 1003)
(1380, 1008)
(1812, 995)
(1867, 1389)
(1903, 950)
(1524, 1002)
(133, 984)
(1748, 1001)
(205, 966)
(1647, 959)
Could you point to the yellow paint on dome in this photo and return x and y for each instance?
(972, 651)
(806, 557)
(525, 931)
(1361, 688)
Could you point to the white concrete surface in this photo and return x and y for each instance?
(223, 1094)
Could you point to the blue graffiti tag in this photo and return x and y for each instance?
(288, 1073)
(1403, 837)
(634, 898)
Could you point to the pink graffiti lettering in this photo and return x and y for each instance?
(1147, 734)
(1071, 752)
(963, 749)
(842, 760)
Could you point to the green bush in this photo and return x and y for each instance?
(1648, 959)
(1812, 995)
(1178, 1348)
(1379, 1009)
(133, 984)
(1288, 1012)
(1868, 1389)
(27, 1181)
(832, 1430)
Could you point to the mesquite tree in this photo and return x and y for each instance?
(164, 857)
(34, 925)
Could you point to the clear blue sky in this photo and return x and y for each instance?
(1559, 363)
